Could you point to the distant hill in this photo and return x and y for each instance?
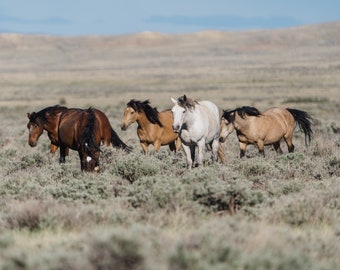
(319, 35)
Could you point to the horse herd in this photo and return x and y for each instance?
(190, 124)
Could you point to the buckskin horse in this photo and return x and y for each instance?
(266, 128)
(76, 129)
(153, 127)
(198, 124)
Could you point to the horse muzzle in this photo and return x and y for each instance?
(222, 139)
(175, 128)
(32, 144)
(123, 127)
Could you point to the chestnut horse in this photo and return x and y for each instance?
(76, 129)
(153, 127)
(267, 128)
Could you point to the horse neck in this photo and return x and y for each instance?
(51, 125)
(241, 123)
(190, 118)
(142, 120)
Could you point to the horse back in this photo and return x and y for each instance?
(211, 124)
(281, 116)
(278, 121)
(70, 128)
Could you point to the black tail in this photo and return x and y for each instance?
(117, 142)
(304, 121)
(88, 144)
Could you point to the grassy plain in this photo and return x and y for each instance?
(280, 212)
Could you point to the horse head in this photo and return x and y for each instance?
(35, 128)
(179, 111)
(130, 116)
(227, 125)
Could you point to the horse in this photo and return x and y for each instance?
(266, 128)
(153, 127)
(198, 124)
(76, 129)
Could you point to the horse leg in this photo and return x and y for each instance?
(243, 147)
(53, 148)
(289, 141)
(144, 147)
(178, 143)
(63, 153)
(156, 145)
(172, 146)
(260, 145)
(83, 161)
(190, 155)
(201, 145)
(278, 148)
(215, 150)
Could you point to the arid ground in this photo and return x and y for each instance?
(150, 212)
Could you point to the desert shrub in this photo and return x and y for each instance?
(314, 208)
(85, 190)
(155, 192)
(115, 250)
(298, 165)
(33, 215)
(333, 165)
(201, 252)
(25, 215)
(134, 166)
(255, 167)
(220, 196)
(272, 259)
(30, 161)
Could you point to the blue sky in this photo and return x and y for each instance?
(111, 17)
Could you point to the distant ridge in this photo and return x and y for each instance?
(326, 34)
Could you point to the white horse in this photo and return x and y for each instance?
(198, 124)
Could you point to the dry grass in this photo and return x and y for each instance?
(281, 212)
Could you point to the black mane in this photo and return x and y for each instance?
(241, 111)
(151, 113)
(43, 114)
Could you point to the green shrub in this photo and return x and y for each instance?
(133, 166)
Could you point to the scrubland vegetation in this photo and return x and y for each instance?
(150, 212)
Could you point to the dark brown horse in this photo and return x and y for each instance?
(266, 128)
(153, 127)
(76, 129)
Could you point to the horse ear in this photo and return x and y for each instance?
(174, 100)
(184, 97)
(31, 115)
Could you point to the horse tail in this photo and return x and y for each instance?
(88, 142)
(117, 142)
(305, 121)
(220, 153)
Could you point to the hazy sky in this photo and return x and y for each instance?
(111, 17)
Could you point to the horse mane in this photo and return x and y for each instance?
(247, 110)
(45, 113)
(151, 113)
(241, 111)
(186, 102)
